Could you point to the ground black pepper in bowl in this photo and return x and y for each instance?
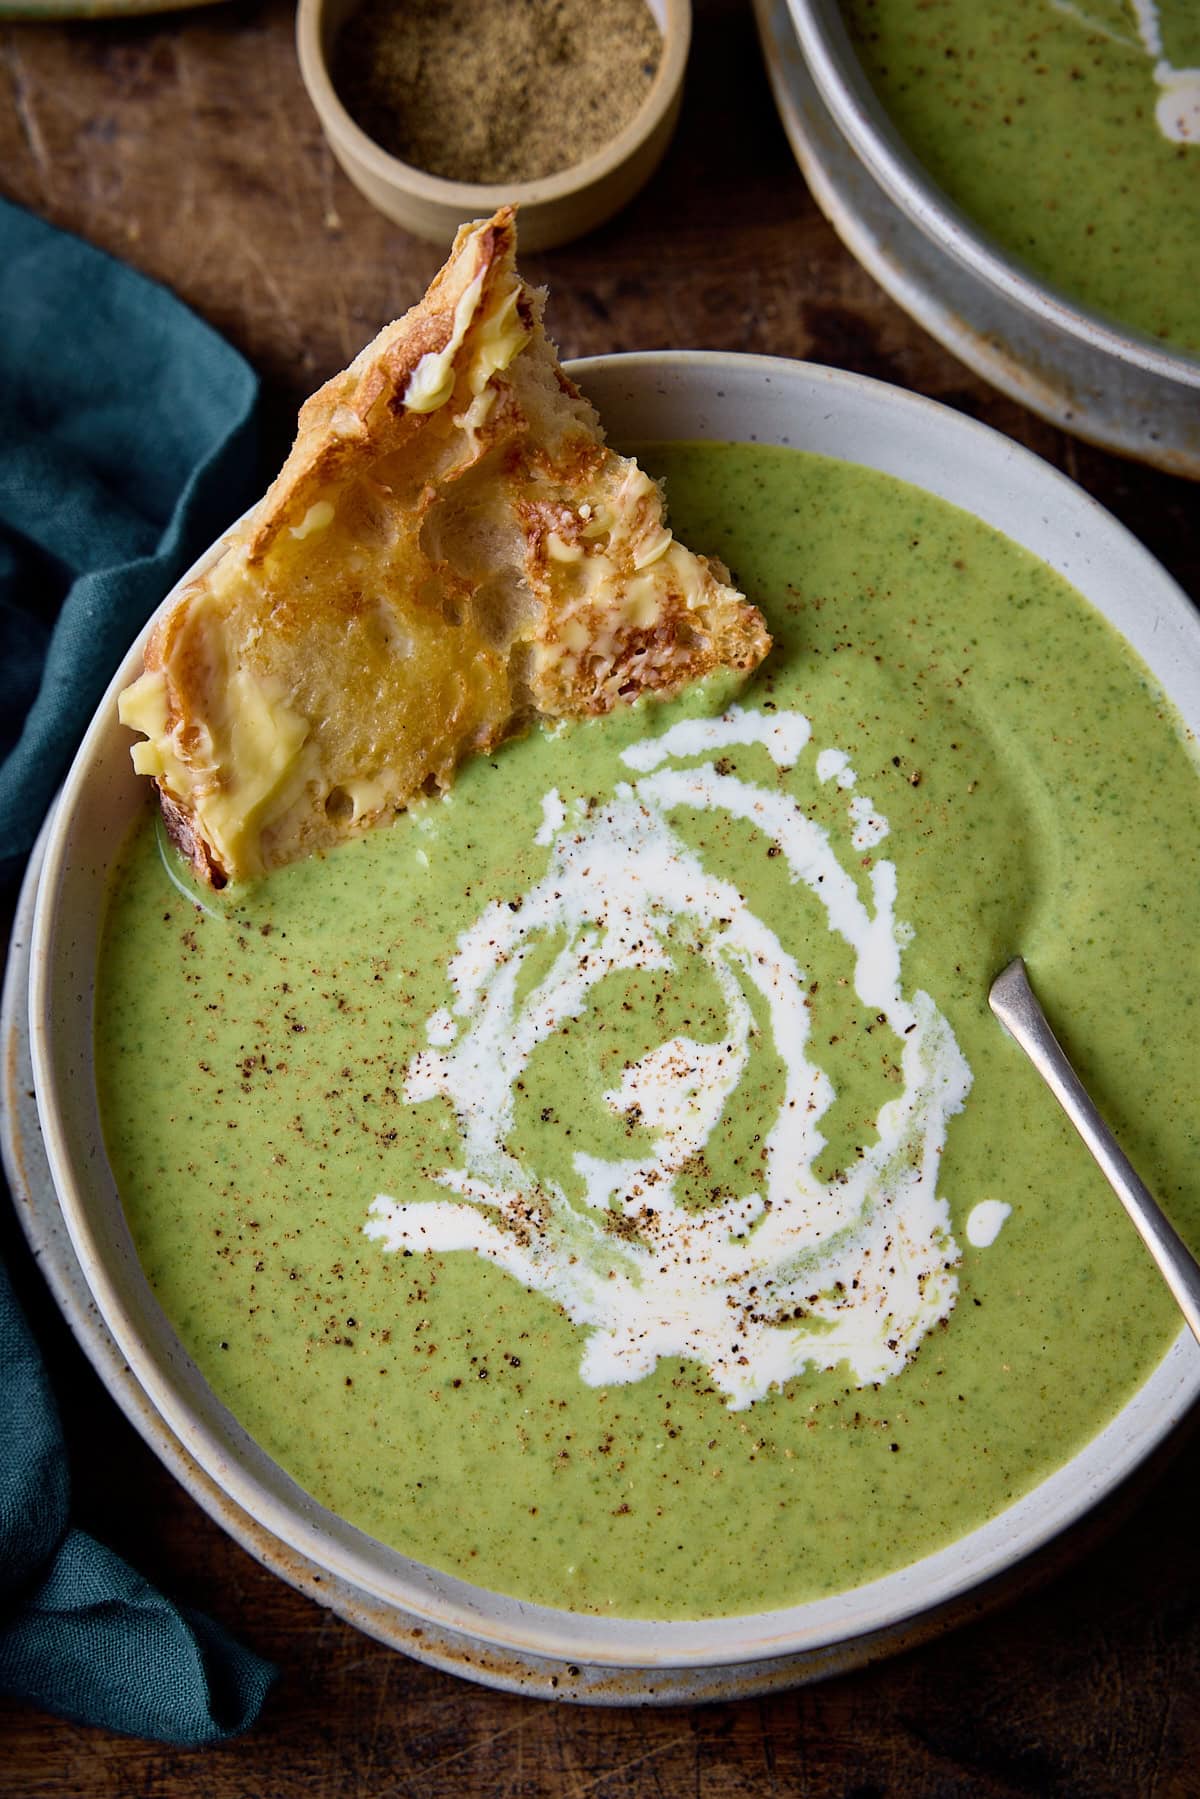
(495, 91)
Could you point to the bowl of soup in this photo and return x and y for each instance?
(1023, 179)
(597, 1218)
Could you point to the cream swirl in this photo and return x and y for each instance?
(791, 1272)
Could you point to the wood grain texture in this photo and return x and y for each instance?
(185, 145)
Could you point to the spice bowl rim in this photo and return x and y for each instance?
(698, 395)
(420, 197)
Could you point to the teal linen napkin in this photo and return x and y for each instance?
(126, 445)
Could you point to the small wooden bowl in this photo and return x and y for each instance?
(554, 208)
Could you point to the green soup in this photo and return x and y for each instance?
(590, 1185)
(1068, 132)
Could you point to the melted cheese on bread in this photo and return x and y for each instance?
(449, 551)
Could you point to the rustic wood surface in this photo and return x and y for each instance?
(185, 144)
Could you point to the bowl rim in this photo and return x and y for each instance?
(467, 199)
(859, 115)
(935, 1580)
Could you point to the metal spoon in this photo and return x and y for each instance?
(1015, 1004)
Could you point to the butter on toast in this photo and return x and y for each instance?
(449, 551)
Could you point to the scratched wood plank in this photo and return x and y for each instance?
(186, 146)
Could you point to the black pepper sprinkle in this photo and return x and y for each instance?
(481, 90)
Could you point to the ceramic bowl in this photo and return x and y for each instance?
(497, 1639)
(554, 208)
(1077, 368)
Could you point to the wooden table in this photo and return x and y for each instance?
(185, 144)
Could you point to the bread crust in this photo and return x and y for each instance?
(449, 550)
(362, 409)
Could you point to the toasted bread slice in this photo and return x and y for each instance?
(449, 551)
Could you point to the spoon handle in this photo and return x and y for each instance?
(1016, 1005)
